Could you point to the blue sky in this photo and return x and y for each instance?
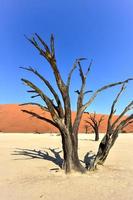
(99, 30)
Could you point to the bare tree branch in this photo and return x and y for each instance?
(60, 83)
(88, 91)
(40, 117)
(34, 96)
(31, 91)
(94, 123)
(113, 105)
(43, 43)
(52, 46)
(47, 83)
(128, 123)
(124, 123)
(35, 104)
(89, 68)
(127, 108)
(46, 53)
(70, 73)
(61, 114)
(80, 95)
(81, 72)
(103, 88)
(113, 130)
(83, 78)
(47, 100)
(88, 122)
(100, 120)
(77, 91)
(50, 59)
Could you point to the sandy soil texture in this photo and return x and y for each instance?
(30, 169)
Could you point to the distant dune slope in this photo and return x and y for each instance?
(12, 119)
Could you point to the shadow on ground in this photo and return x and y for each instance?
(52, 154)
(88, 139)
(39, 154)
(88, 159)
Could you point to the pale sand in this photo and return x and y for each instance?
(22, 178)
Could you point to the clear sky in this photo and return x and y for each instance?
(101, 30)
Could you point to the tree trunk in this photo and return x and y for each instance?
(104, 149)
(75, 157)
(70, 154)
(96, 135)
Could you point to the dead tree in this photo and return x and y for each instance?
(114, 127)
(94, 123)
(86, 128)
(61, 112)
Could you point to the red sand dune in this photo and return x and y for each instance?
(12, 119)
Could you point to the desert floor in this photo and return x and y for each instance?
(29, 169)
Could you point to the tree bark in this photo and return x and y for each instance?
(113, 129)
(104, 148)
(70, 154)
(96, 135)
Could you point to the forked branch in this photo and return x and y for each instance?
(113, 110)
(47, 83)
(47, 100)
(50, 57)
(94, 123)
(113, 130)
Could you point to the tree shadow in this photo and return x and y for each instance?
(88, 159)
(32, 154)
(84, 139)
(92, 140)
